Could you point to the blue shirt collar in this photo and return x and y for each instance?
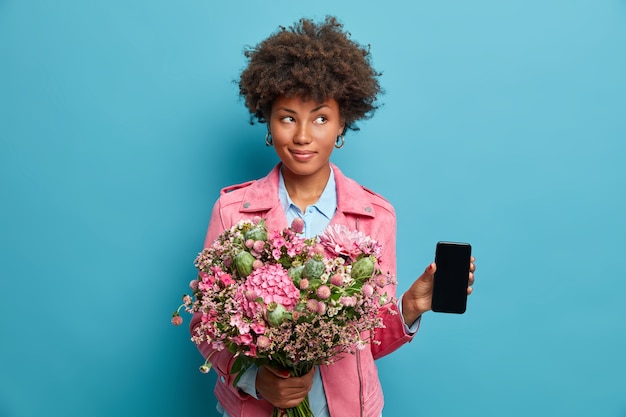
(326, 204)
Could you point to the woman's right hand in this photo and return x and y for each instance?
(281, 389)
(418, 298)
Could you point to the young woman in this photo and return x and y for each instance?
(310, 83)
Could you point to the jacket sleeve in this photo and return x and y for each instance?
(394, 334)
(216, 225)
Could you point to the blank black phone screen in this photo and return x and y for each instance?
(451, 277)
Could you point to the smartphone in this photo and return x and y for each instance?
(451, 277)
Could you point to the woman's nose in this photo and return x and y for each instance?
(302, 135)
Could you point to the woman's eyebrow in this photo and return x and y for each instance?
(288, 110)
(319, 107)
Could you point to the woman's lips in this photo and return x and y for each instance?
(302, 156)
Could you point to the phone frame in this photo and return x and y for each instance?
(451, 279)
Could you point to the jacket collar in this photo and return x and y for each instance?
(352, 198)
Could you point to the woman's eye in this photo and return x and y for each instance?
(320, 120)
(287, 119)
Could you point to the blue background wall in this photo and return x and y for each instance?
(504, 124)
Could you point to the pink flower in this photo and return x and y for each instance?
(177, 320)
(258, 246)
(206, 278)
(341, 241)
(257, 264)
(226, 279)
(337, 280)
(285, 242)
(321, 308)
(249, 243)
(304, 284)
(252, 352)
(348, 301)
(368, 290)
(272, 283)
(311, 305)
(263, 342)
(243, 339)
(218, 345)
(297, 225)
(205, 368)
(277, 242)
(193, 284)
(258, 327)
(323, 292)
(380, 280)
(237, 321)
(318, 248)
(209, 317)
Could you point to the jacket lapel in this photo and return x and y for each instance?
(261, 199)
(352, 200)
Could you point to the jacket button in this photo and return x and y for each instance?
(246, 204)
(368, 209)
(223, 379)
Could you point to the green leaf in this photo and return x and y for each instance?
(237, 365)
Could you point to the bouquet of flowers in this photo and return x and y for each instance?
(266, 295)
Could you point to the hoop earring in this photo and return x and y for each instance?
(340, 142)
(269, 141)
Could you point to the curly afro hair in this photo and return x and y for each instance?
(315, 61)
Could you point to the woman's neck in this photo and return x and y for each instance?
(305, 190)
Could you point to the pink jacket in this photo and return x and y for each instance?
(351, 384)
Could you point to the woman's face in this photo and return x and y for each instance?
(304, 135)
